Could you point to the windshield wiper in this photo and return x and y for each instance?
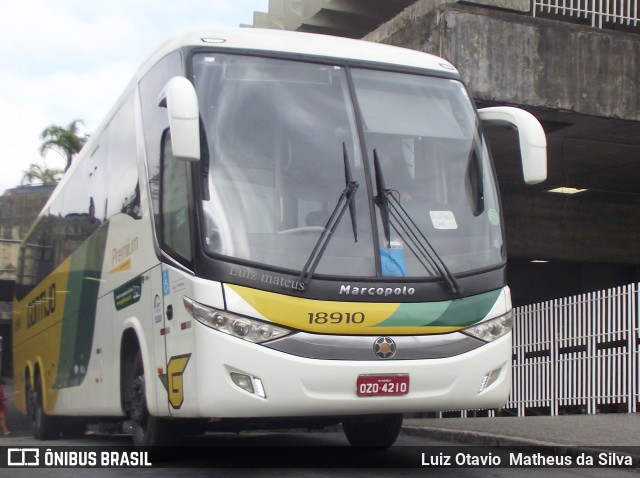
(381, 199)
(408, 230)
(345, 200)
(350, 183)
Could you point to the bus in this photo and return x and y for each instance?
(272, 229)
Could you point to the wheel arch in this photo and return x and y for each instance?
(37, 371)
(129, 348)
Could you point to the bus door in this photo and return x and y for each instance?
(176, 324)
(159, 363)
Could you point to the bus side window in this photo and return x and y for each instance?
(176, 219)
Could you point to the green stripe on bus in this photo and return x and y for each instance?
(451, 313)
(80, 305)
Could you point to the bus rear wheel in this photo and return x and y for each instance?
(44, 426)
(147, 430)
(379, 431)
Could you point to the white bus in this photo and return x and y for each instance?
(272, 229)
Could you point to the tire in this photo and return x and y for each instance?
(379, 431)
(147, 430)
(44, 427)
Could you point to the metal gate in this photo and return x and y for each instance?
(597, 12)
(577, 354)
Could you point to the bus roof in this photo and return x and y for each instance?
(311, 44)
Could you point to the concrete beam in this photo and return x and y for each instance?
(293, 14)
(420, 8)
(378, 9)
(261, 20)
(350, 18)
(516, 59)
(276, 14)
(515, 5)
(311, 7)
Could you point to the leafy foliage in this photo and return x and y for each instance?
(41, 175)
(66, 141)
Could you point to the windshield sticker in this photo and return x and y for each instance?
(443, 220)
(392, 261)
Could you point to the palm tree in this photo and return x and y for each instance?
(65, 141)
(41, 175)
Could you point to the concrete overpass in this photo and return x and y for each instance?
(346, 18)
(583, 84)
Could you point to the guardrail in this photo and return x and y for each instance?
(600, 13)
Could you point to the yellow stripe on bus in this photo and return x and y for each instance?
(334, 317)
(37, 330)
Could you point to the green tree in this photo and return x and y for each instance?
(66, 141)
(41, 175)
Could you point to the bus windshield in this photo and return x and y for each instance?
(279, 133)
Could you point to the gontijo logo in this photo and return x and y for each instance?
(42, 306)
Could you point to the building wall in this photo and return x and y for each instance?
(18, 209)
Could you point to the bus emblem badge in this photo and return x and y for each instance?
(384, 347)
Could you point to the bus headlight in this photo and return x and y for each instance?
(492, 329)
(236, 325)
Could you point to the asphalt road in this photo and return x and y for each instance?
(287, 453)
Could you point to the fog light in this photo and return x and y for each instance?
(257, 385)
(243, 381)
(249, 383)
(489, 379)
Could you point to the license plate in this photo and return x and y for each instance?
(382, 385)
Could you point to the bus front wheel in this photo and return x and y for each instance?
(379, 431)
(147, 430)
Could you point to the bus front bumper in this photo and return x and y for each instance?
(290, 386)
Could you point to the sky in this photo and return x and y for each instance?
(68, 60)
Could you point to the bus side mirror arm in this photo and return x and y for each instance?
(180, 99)
(533, 142)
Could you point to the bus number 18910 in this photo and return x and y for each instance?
(335, 318)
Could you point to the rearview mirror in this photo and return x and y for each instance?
(533, 142)
(180, 99)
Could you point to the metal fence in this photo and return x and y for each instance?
(577, 354)
(599, 13)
